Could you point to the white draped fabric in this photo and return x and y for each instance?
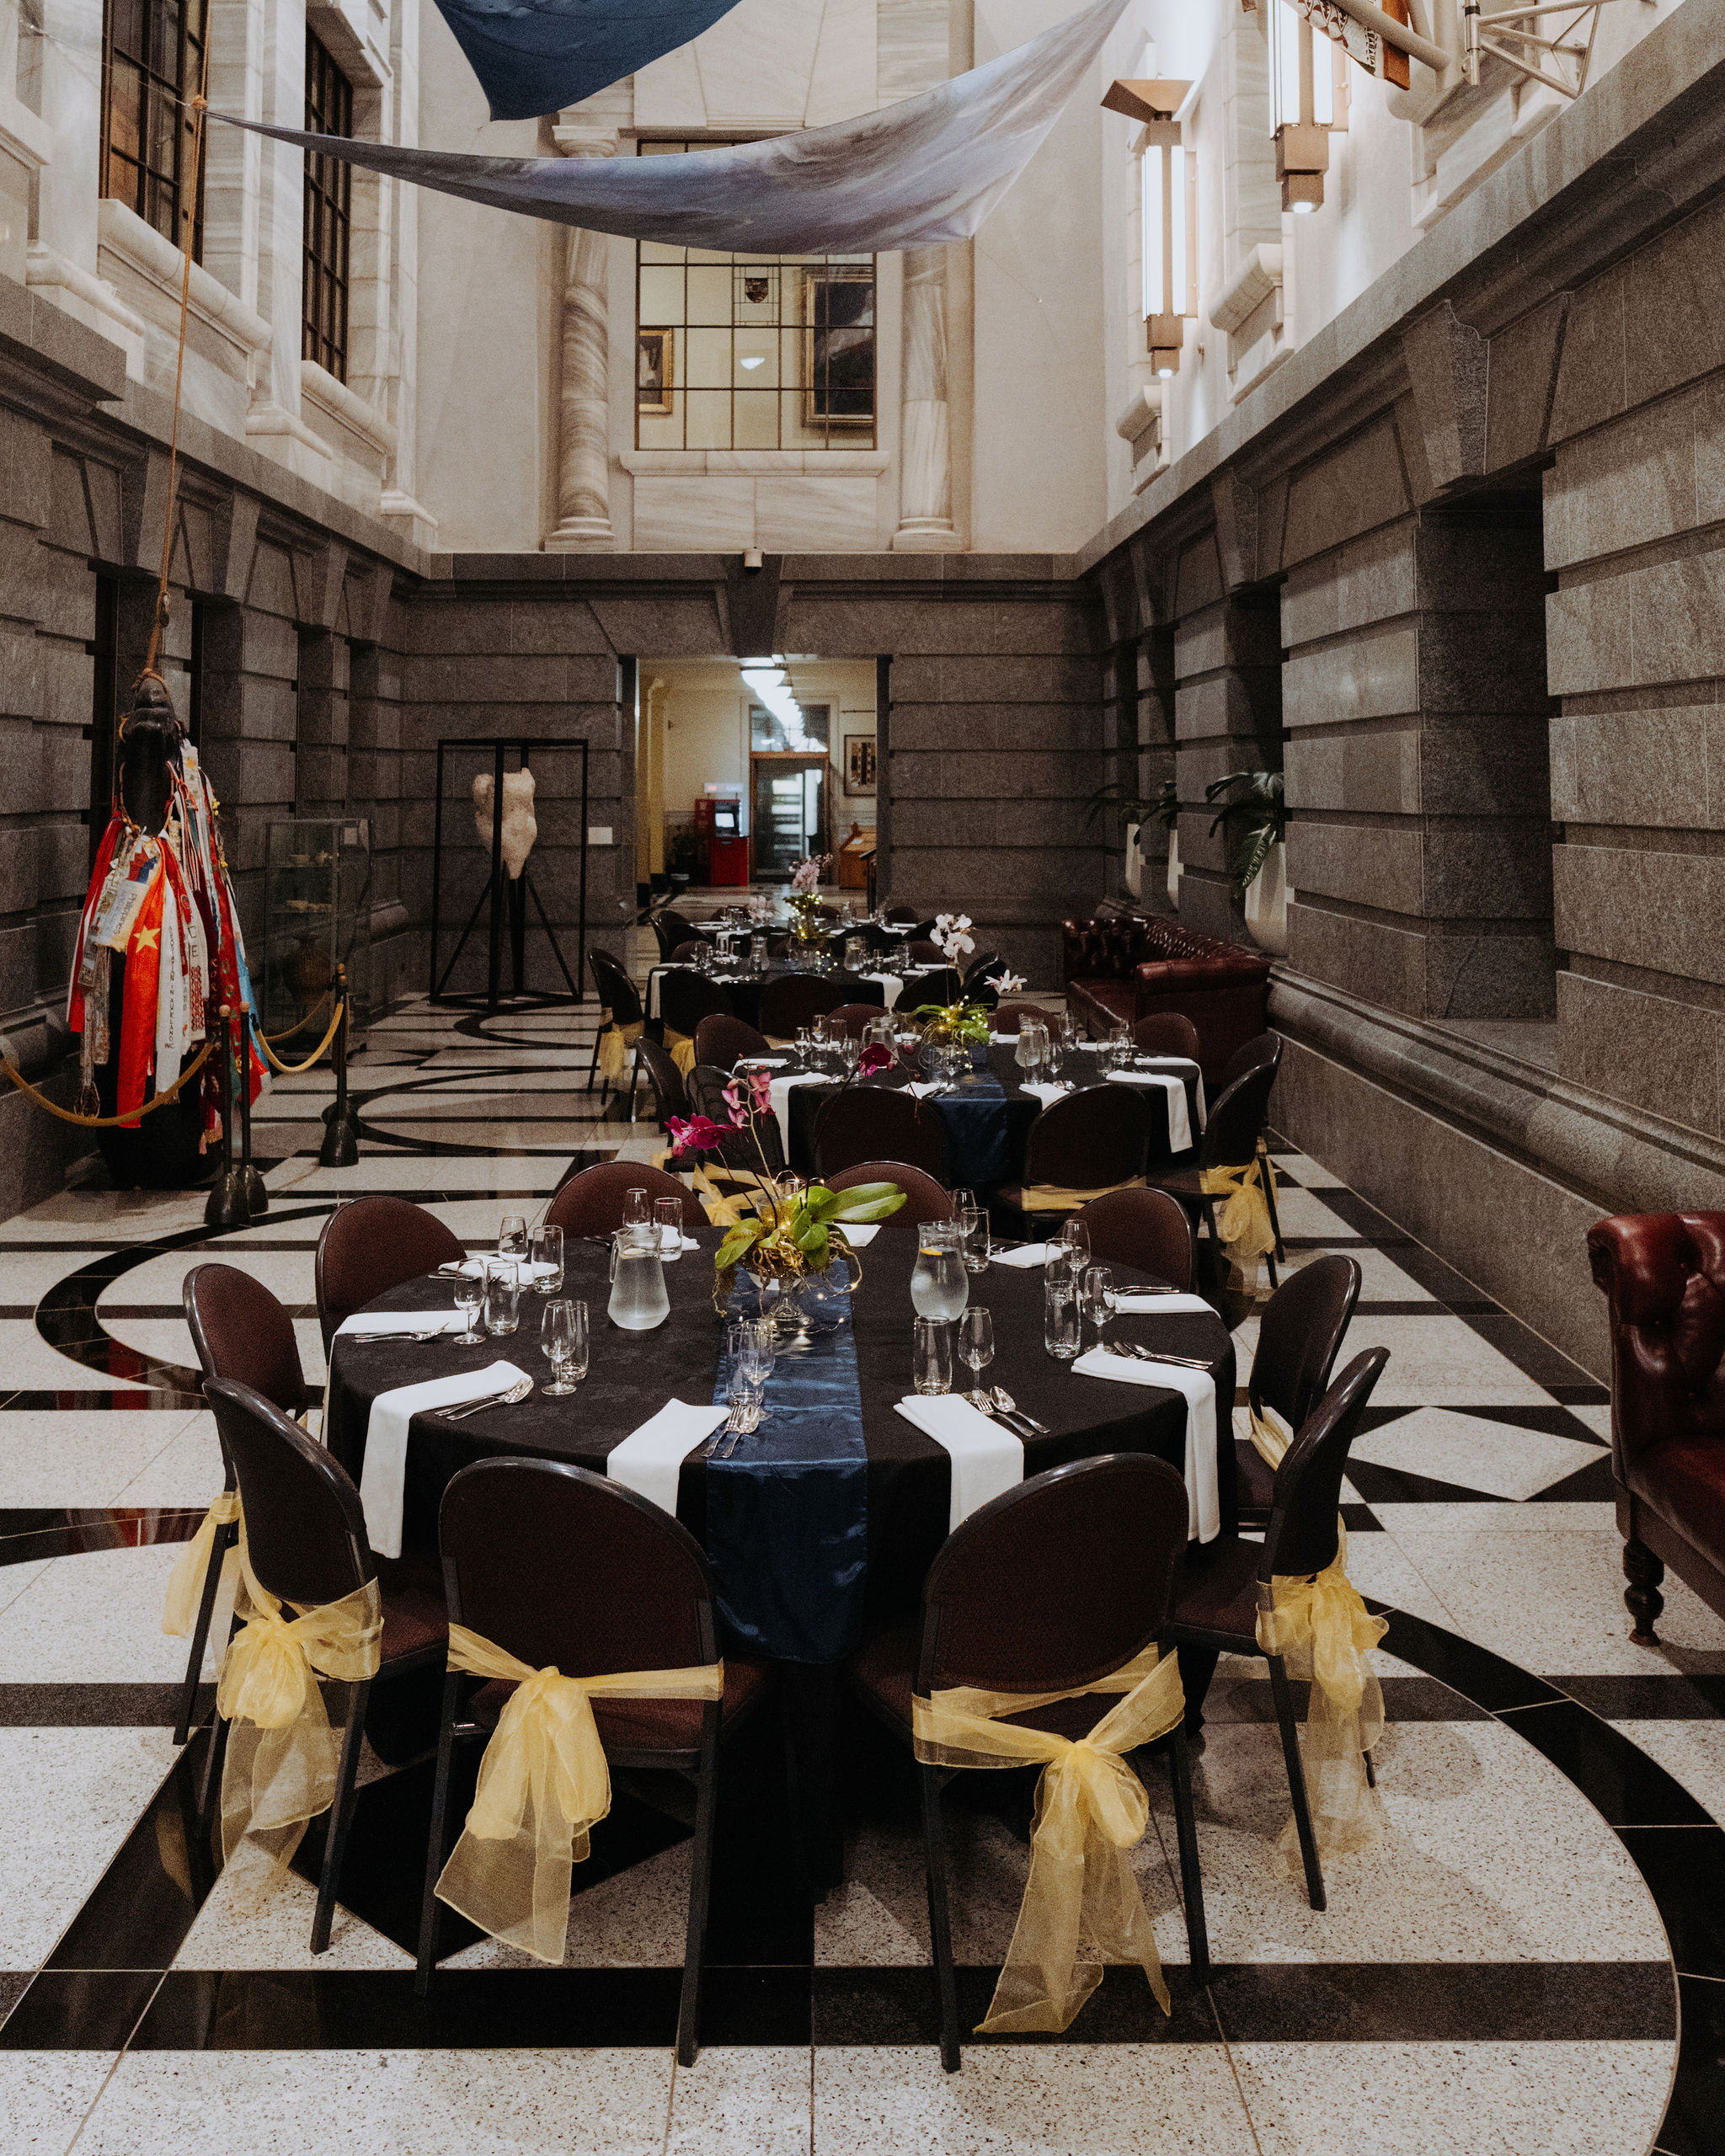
(925, 171)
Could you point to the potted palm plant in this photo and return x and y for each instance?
(1257, 817)
(1136, 810)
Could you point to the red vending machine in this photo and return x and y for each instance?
(718, 831)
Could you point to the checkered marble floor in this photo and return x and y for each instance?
(1501, 1974)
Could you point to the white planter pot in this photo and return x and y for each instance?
(1266, 897)
(1174, 870)
(1134, 862)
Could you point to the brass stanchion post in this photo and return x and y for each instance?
(227, 1207)
(341, 1135)
(257, 1197)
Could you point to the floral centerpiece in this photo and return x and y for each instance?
(959, 1022)
(792, 1233)
(803, 897)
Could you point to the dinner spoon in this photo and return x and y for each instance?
(1009, 1406)
(519, 1391)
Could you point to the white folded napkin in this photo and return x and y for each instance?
(921, 1088)
(649, 1460)
(1163, 1306)
(527, 1269)
(1047, 1094)
(1004, 1040)
(1032, 1255)
(860, 1234)
(1204, 1501)
(1179, 1122)
(781, 1100)
(987, 1459)
(760, 1062)
(384, 1475)
(363, 1324)
(890, 985)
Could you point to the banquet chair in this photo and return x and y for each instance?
(1232, 1138)
(563, 1569)
(1060, 1582)
(794, 999)
(686, 999)
(921, 951)
(1145, 1228)
(869, 933)
(873, 1122)
(306, 1543)
(904, 917)
(977, 969)
(621, 1008)
(670, 1095)
(370, 1245)
(1250, 1055)
(239, 1331)
(1224, 1583)
(738, 1150)
(925, 1199)
(1091, 1141)
(853, 1017)
(944, 986)
(721, 1039)
(1300, 1330)
(689, 954)
(1009, 1017)
(670, 928)
(591, 1203)
(1167, 1032)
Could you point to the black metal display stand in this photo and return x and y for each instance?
(508, 894)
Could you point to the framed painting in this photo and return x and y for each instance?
(655, 372)
(861, 752)
(838, 347)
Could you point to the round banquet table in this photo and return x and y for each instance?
(744, 986)
(907, 1476)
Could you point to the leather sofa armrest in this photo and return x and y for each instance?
(1663, 1275)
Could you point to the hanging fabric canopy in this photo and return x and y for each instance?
(919, 172)
(536, 57)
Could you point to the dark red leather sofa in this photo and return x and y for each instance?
(1663, 1274)
(1129, 965)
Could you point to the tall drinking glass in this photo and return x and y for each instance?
(668, 1219)
(512, 1236)
(637, 1209)
(548, 1249)
(503, 1296)
(556, 1325)
(1059, 1318)
(932, 1356)
(972, 1223)
(1098, 1296)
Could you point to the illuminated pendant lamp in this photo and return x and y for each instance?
(1169, 227)
(1302, 107)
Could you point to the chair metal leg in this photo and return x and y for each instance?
(210, 1789)
(700, 1892)
(593, 1063)
(1296, 1779)
(1267, 1177)
(1191, 1873)
(226, 1537)
(1371, 1772)
(634, 1083)
(434, 1841)
(341, 1815)
(940, 1931)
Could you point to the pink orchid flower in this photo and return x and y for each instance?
(873, 1058)
(696, 1134)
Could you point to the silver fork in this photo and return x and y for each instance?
(1149, 1355)
(729, 1427)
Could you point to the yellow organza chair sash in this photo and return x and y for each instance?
(1270, 1437)
(728, 1195)
(543, 1785)
(186, 1584)
(1243, 1224)
(1082, 1906)
(1324, 1630)
(682, 1049)
(281, 1751)
(615, 1043)
(1050, 1198)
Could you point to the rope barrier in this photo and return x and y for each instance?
(271, 1039)
(108, 1122)
(295, 1069)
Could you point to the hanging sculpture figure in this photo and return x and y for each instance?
(520, 827)
(158, 954)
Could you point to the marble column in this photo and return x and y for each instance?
(926, 454)
(584, 388)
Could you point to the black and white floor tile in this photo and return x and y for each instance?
(1508, 1971)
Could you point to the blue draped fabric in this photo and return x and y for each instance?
(536, 57)
(787, 1514)
(981, 1151)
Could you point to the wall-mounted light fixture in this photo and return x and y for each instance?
(1169, 220)
(1302, 106)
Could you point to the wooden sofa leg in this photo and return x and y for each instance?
(1644, 1572)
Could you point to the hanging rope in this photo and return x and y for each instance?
(269, 1039)
(296, 1070)
(108, 1122)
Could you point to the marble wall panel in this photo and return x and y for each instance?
(1625, 484)
(1369, 865)
(816, 515)
(1381, 963)
(1653, 1051)
(1376, 772)
(1641, 765)
(1369, 675)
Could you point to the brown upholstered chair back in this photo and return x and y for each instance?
(1089, 1138)
(873, 1123)
(1261, 1049)
(566, 1570)
(904, 917)
(1237, 1120)
(706, 1090)
(1145, 1228)
(670, 928)
(944, 987)
(921, 951)
(241, 1332)
(591, 1203)
(854, 1017)
(685, 999)
(305, 1526)
(925, 1199)
(1165, 1033)
(1300, 1334)
(371, 1244)
(666, 1079)
(1663, 1274)
(794, 999)
(1301, 1536)
(1009, 1017)
(689, 954)
(720, 1039)
(617, 991)
(1059, 1582)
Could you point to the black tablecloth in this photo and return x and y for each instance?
(633, 1374)
(744, 989)
(986, 1117)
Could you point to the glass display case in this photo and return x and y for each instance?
(317, 916)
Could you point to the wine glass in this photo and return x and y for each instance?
(556, 1326)
(1098, 1297)
(470, 1300)
(976, 1343)
(1075, 1234)
(512, 1236)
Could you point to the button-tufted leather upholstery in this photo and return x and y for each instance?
(1663, 1274)
(1130, 965)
